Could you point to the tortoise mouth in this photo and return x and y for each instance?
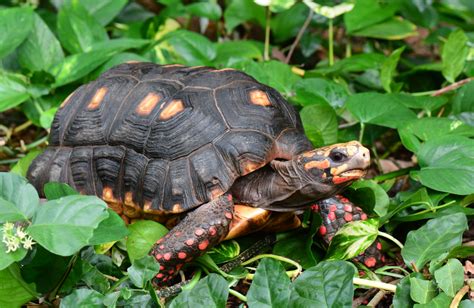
(353, 173)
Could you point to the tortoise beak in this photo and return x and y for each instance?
(353, 169)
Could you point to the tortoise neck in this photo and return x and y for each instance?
(274, 182)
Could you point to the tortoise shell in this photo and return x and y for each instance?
(157, 140)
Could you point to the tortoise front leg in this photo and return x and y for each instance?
(200, 230)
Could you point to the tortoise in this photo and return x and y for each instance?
(213, 152)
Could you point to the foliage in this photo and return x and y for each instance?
(396, 75)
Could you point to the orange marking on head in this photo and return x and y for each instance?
(341, 179)
(259, 97)
(203, 245)
(317, 164)
(64, 103)
(97, 98)
(172, 108)
(146, 106)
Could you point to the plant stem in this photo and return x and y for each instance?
(238, 295)
(361, 132)
(457, 298)
(391, 175)
(388, 236)
(331, 42)
(117, 284)
(374, 284)
(23, 126)
(279, 258)
(299, 35)
(433, 209)
(266, 54)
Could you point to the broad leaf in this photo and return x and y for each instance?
(352, 239)
(77, 29)
(422, 291)
(82, 298)
(143, 234)
(143, 270)
(224, 252)
(320, 124)
(270, 286)
(389, 68)
(16, 24)
(427, 103)
(369, 195)
(104, 11)
(13, 91)
(205, 9)
(312, 91)
(447, 164)
(21, 167)
(454, 55)
(6, 259)
(14, 292)
(440, 301)
(355, 63)
(450, 277)
(392, 29)
(286, 24)
(436, 237)
(233, 51)
(55, 190)
(328, 284)
(464, 99)
(112, 228)
(19, 193)
(192, 48)
(369, 12)
(211, 292)
(402, 297)
(41, 50)
(239, 11)
(65, 225)
(380, 109)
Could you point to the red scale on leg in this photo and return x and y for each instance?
(228, 215)
(212, 231)
(370, 262)
(189, 242)
(347, 208)
(167, 256)
(162, 267)
(182, 255)
(379, 246)
(162, 247)
(158, 256)
(332, 216)
(203, 245)
(363, 216)
(160, 275)
(315, 208)
(332, 208)
(323, 230)
(348, 217)
(199, 232)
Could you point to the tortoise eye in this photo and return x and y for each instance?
(337, 157)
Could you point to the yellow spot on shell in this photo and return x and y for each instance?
(259, 97)
(97, 98)
(172, 108)
(177, 208)
(146, 106)
(128, 198)
(108, 195)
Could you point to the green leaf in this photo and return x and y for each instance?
(352, 239)
(83, 298)
(192, 48)
(380, 109)
(21, 167)
(389, 68)
(280, 76)
(330, 12)
(467, 303)
(119, 59)
(450, 277)
(6, 259)
(447, 164)
(104, 11)
(464, 99)
(233, 51)
(427, 103)
(211, 292)
(41, 50)
(356, 63)
(143, 234)
(55, 190)
(287, 24)
(430, 129)
(16, 24)
(112, 228)
(240, 11)
(392, 29)
(205, 9)
(461, 252)
(371, 195)
(142, 270)
(224, 252)
(311, 91)
(13, 90)
(277, 6)
(454, 55)
(422, 291)
(93, 277)
(14, 292)
(436, 237)
(77, 29)
(270, 286)
(369, 12)
(328, 284)
(118, 44)
(9, 212)
(19, 192)
(440, 301)
(402, 297)
(320, 124)
(65, 225)
(297, 244)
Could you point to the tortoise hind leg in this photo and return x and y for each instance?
(200, 230)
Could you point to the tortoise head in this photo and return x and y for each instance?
(327, 170)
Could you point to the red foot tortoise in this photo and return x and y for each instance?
(216, 147)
